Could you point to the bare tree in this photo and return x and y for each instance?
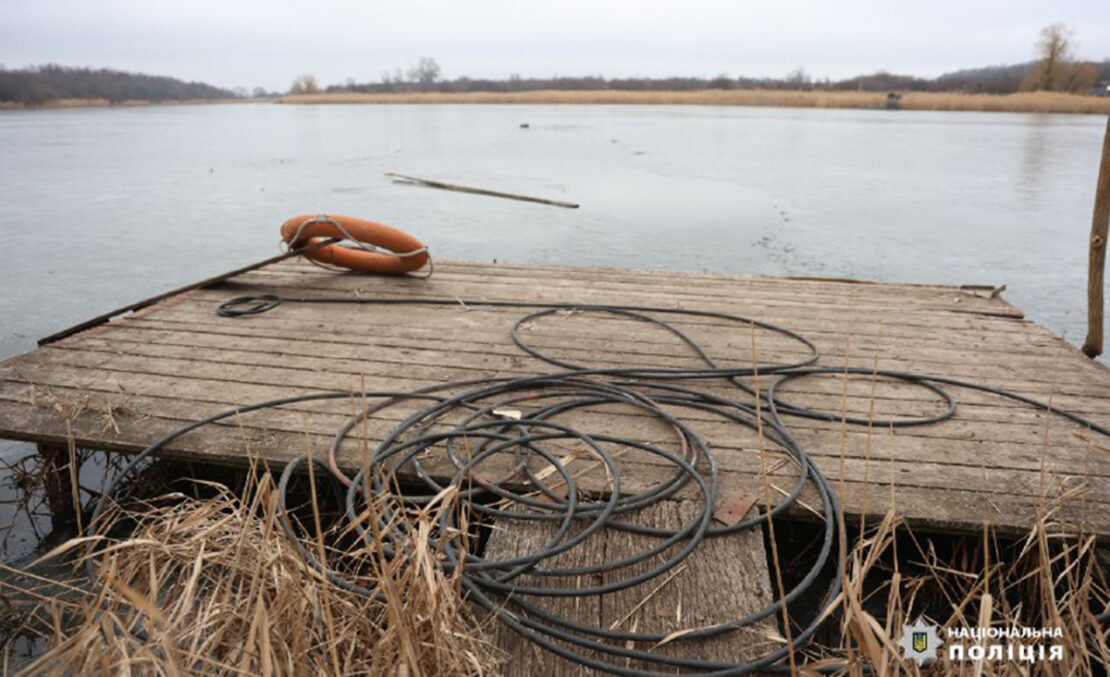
(1052, 70)
(425, 71)
(799, 79)
(305, 84)
(1082, 78)
(722, 81)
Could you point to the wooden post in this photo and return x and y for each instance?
(1099, 224)
(58, 484)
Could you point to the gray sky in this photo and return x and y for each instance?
(252, 42)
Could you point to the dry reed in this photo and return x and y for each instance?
(1026, 102)
(1049, 579)
(212, 585)
(1022, 102)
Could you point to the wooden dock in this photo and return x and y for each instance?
(124, 384)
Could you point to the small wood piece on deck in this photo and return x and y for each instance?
(725, 578)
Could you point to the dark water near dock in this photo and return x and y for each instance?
(101, 207)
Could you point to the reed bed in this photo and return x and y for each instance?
(1049, 579)
(1028, 102)
(213, 586)
(707, 97)
(1023, 102)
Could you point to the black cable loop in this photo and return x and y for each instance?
(480, 434)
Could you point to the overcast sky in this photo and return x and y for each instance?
(251, 42)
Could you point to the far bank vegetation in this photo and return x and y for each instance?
(1057, 70)
(1040, 102)
(1055, 82)
(56, 85)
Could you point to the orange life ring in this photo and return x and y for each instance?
(410, 253)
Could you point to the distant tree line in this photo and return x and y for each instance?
(1055, 69)
(988, 80)
(36, 85)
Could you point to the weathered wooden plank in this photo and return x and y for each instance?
(1019, 441)
(181, 362)
(832, 331)
(891, 398)
(615, 279)
(748, 306)
(731, 344)
(1046, 367)
(515, 539)
(890, 459)
(704, 290)
(963, 509)
(832, 327)
(724, 579)
(493, 324)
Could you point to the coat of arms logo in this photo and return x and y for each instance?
(920, 642)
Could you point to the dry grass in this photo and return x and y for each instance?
(1039, 102)
(708, 97)
(213, 586)
(1024, 102)
(1050, 579)
(77, 103)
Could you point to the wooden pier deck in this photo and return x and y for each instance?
(124, 384)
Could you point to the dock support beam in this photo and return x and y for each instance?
(1092, 347)
(58, 477)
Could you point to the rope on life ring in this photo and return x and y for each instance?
(376, 247)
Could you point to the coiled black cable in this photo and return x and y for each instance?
(460, 418)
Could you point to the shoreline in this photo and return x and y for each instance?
(58, 104)
(1024, 102)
